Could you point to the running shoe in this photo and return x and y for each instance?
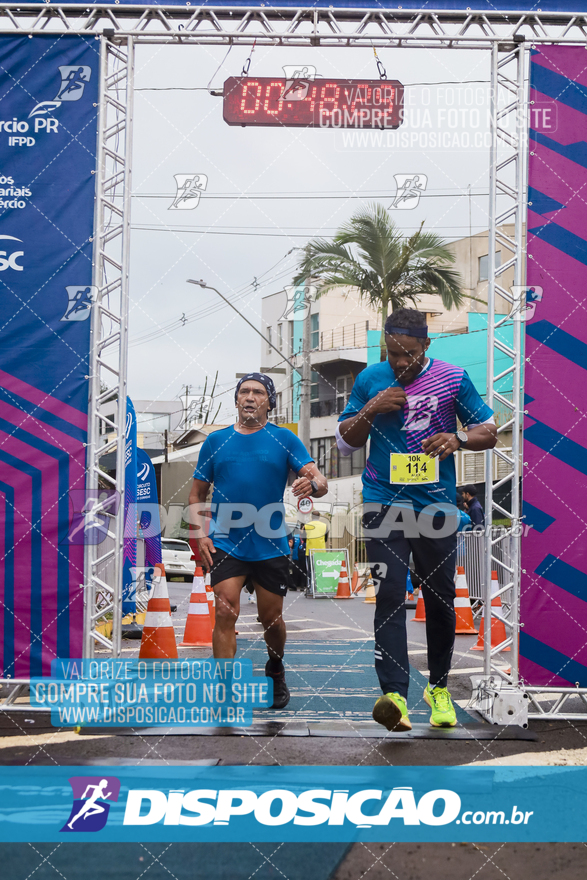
(391, 711)
(281, 693)
(443, 712)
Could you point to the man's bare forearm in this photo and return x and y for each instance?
(355, 431)
(481, 437)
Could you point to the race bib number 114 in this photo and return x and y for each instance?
(406, 468)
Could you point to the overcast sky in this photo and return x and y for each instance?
(268, 187)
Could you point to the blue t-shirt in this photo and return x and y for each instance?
(437, 396)
(250, 470)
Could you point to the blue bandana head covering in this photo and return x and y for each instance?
(264, 380)
(419, 332)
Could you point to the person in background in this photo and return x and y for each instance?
(315, 531)
(474, 508)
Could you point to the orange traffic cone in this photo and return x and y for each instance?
(198, 627)
(420, 615)
(498, 633)
(464, 613)
(211, 600)
(355, 581)
(370, 594)
(344, 590)
(158, 641)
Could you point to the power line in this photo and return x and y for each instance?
(279, 198)
(448, 82)
(290, 235)
(209, 310)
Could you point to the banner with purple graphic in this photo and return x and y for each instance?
(148, 512)
(129, 557)
(48, 131)
(90, 801)
(553, 648)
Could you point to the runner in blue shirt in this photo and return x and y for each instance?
(407, 406)
(249, 464)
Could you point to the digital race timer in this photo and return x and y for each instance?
(319, 103)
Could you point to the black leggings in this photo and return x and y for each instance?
(434, 562)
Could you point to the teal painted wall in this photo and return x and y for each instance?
(373, 347)
(469, 350)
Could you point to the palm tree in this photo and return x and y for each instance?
(370, 253)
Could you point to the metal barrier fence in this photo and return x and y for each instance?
(471, 555)
(470, 552)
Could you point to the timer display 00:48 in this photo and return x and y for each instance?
(321, 103)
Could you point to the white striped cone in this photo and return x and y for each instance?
(198, 627)
(370, 595)
(158, 640)
(464, 614)
(343, 591)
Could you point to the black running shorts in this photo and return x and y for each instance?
(271, 574)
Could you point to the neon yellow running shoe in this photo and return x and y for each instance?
(391, 711)
(443, 712)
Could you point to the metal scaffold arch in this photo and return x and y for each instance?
(120, 28)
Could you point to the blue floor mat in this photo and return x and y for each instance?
(183, 861)
(335, 680)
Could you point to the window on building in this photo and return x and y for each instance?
(315, 387)
(323, 450)
(484, 265)
(344, 386)
(315, 331)
(104, 428)
(291, 338)
(269, 340)
(152, 423)
(279, 403)
(332, 464)
(280, 336)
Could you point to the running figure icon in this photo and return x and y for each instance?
(74, 81)
(91, 808)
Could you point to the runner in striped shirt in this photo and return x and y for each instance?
(407, 406)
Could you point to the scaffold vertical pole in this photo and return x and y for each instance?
(109, 344)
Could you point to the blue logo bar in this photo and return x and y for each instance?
(287, 804)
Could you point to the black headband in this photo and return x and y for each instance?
(420, 332)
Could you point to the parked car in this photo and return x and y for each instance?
(177, 559)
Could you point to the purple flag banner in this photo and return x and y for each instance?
(148, 512)
(48, 132)
(553, 647)
(129, 557)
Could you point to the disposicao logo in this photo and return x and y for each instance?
(367, 808)
(282, 806)
(90, 802)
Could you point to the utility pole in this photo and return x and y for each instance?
(305, 386)
(185, 418)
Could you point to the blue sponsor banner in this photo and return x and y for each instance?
(129, 556)
(293, 804)
(152, 693)
(148, 513)
(48, 135)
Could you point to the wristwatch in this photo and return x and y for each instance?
(314, 486)
(462, 437)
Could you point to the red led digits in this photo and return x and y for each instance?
(248, 86)
(340, 103)
(273, 100)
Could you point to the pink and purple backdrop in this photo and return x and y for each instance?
(553, 641)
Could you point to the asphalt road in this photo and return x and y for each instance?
(307, 619)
